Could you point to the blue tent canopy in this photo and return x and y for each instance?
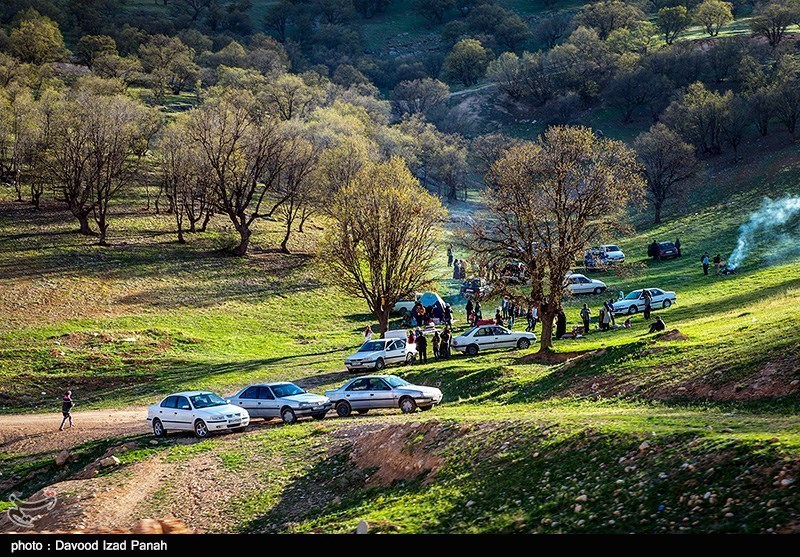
(434, 300)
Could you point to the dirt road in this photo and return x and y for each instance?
(38, 433)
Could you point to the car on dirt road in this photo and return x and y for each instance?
(476, 286)
(382, 391)
(202, 412)
(486, 337)
(282, 400)
(634, 302)
(376, 354)
(581, 284)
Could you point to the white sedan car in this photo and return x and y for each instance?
(613, 253)
(378, 353)
(634, 302)
(199, 411)
(284, 400)
(382, 391)
(581, 284)
(486, 337)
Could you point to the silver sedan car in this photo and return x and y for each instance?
(382, 391)
(284, 400)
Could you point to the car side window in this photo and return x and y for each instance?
(585, 280)
(656, 292)
(376, 384)
(358, 385)
(500, 331)
(486, 331)
(391, 346)
(169, 402)
(265, 393)
(183, 403)
(250, 392)
(400, 344)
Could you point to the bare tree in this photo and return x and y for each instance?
(295, 189)
(245, 149)
(389, 255)
(667, 160)
(552, 198)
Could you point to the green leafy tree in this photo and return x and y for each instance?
(390, 255)
(607, 15)
(37, 39)
(433, 10)
(771, 19)
(91, 47)
(698, 115)
(672, 21)
(467, 62)
(713, 15)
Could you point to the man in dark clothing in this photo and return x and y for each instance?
(66, 409)
(658, 325)
(469, 309)
(450, 256)
(422, 348)
(498, 318)
(648, 303)
(561, 324)
(444, 347)
(678, 246)
(652, 250)
(448, 315)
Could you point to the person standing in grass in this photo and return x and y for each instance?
(469, 309)
(704, 261)
(533, 317)
(478, 313)
(456, 270)
(368, 333)
(444, 346)
(450, 255)
(498, 318)
(66, 410)
(678, 246)
(462, 269)
(448, 315)
(610, 310)
(648, 303)
(586, 317)
(561, 324)
(422, 348)
(436, 341)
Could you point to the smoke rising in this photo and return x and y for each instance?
(769, 223)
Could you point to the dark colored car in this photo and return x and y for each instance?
(666, 250)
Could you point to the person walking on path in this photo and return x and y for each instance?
(66, 410)
(648, 304)
(586, 317)
(704, 261)
(450, 255)
(437, 341)
(422, 348)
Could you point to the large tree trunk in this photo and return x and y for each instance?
(207, 218)
(244, 243)
(546, 342)
(657, 207)
(285, 241)
(383, 321)
(83, 221)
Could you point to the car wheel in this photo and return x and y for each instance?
(472, 350)
(407, 405)
(598, 290)
(523, 344)
(380, 364)
(288, 416)
(409, 358)
(200, 429)
(318, 416)
(158, 428)
(632, 310)
(362, 411)
(426, 407)
(343, 409)
(666, 304)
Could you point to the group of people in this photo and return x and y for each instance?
(422, 316)
(607, 320)
(718, 263)
(440, 344)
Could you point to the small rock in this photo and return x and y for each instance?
(728, 515)
(786, 482)
(109, 461)
(644, 445)
(662, 476)
(582, 498)
(62, 457)
(470, 503)
(153, 442)
(363, 527)
(578, 508)
(536, 455)
(706, 495)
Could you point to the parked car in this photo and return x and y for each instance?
(595, 260)
(405, 306)
(613, 253)
(666, 250)
(382, 391)
(475, 287)
(378, 353)
(634, 302)
(580, 284)
(486, 337)
(284, 400)
(200, 411)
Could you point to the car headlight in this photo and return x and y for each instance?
(304, 404)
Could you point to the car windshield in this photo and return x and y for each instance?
(468, 332)
(371, 346)
(612, 248)
(667, 245)
(207, 400)
(395, 381)
(288, 389)
(633, 295)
